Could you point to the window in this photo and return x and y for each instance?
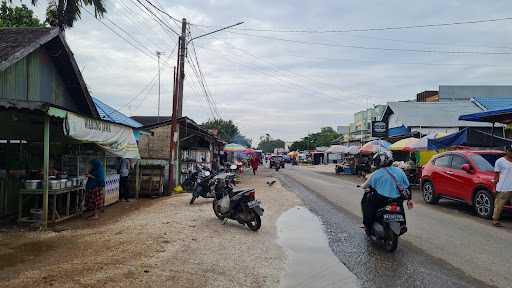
(444, 161)
(485, 162)
(458, 161)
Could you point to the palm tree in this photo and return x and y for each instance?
(64, 13)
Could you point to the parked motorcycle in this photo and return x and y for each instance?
(389, 223)
(203, 186)
(240, 205)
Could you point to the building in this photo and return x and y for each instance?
(466, 92)
(359, 130)
(412, 118)
(343, 129)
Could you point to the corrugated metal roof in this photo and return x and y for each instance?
(108, 113)
(494, 103)
(432, 114)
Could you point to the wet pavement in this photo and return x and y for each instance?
(310, 262)
(409, 266)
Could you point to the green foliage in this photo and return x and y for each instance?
(267, 144)
(64, 14)
(323, 138)
(228, 131)
(19, 16)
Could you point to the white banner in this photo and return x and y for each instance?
(116, 139)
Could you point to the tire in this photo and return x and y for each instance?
(192, 200)
(483, 203)
(256, 225)
(217, 212)
(391, 242)
(429, 193)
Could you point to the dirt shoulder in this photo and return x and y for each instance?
(152, 243)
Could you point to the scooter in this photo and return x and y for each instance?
(240, 205)
(389, 223)
(203, 186)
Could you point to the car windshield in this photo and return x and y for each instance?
(485, 162)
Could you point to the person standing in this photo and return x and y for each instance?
(255, 162)
(94, 187)
(124, 171)
(503, 179)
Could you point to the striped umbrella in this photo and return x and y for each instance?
(232, 147)
(406, 145)
(375, 146)
(423, 142)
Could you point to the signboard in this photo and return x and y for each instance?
(116, 139)
(379, 129)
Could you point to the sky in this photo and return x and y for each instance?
(291, 84)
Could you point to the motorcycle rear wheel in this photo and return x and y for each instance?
(256, 224)
(391, 242)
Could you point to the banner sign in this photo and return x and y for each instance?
(116, 139)
(379, 129)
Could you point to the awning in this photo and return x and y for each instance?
(399, 131)
(493, 116)
(467, 137)
(116, 139)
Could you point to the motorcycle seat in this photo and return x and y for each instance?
(240, 192)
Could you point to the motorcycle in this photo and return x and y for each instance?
(240, 205)
(203, 185)
(389, 223)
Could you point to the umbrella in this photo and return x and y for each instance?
(407, 145)
(337, 149)
(353, 150)
(375, 146)
(249, 151)
(232, 147)
(423, 142)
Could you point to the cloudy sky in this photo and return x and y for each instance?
(288, 84)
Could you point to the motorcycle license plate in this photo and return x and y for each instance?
(253, 203)
(393, 217)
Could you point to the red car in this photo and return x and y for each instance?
(463, 175)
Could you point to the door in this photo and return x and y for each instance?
(441, 173)
(460, 185)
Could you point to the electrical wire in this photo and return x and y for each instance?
(208, 102)
(317, 31)
(156, 18)
(163, 12)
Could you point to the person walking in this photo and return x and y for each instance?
(503, 179)
(94, 187)
(255, 162)
(124, 171)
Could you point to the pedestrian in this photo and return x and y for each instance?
(503, 178)
(124, 171)
(94, 187)
(255, 162)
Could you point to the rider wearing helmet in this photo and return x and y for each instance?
(388, 182)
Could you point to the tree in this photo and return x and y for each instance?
(64, 13)
(325, 137)
(267, 144)
(228, 131)
(19, 16)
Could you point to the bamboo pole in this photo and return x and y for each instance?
(46, 162)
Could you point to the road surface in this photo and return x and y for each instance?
(443, 248)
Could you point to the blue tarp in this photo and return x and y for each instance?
(399, 131)
(468, 137)
(493, 116)
(454, 139)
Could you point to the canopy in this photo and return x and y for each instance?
(406, 145)
(493, 116)
(399, 131)
(232, 147)
(422, 144)
(353, 150)
(467, 137)
(116, 139)
(375, 146)
(337, 149)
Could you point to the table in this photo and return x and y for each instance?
(55, 216)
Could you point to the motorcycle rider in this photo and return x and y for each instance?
(389, 182)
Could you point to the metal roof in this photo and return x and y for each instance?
(493, 103)
(430, 114)
(499, 116)
(110, 114)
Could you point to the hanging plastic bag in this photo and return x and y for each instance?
(224, 204)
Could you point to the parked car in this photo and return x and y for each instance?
(464, 175)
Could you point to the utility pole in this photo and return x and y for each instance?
(158, 54)
(177, 103)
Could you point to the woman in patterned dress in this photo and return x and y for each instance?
(94, 187)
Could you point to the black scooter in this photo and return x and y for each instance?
(203, 186)
(389, 223)
(240, 205)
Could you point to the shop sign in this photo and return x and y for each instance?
(379, 129)
(116, 139)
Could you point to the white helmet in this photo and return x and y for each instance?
(382, 159)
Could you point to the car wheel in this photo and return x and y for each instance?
(483, 204)
(429, 195)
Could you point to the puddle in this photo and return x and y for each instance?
(310, 262)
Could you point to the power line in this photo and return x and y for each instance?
(156, 18)
(163, 12)
(373, 48)
(316, 31)
(208, 102)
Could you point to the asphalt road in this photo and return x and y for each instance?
(443, 248)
